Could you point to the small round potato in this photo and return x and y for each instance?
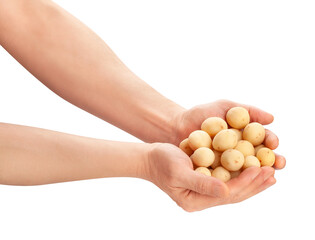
(251, 161)
(221, 173)
(217, 159)
(258, 147)
(213, 125)
(232, 160)
(235, 174)
(238, 133)
(237, 117)
(184, 146)
(224, 140)
(203, 157)
(245, 147)
(199, 139)
(254, 133)
(266, 157)
(204, 171)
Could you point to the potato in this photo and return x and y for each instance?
(217, 159)
(199, 139)
(224, 140)
(232, 160)
(203, 157)
(254, 133)
(266, 157)
(245, 147)
(221, 173)
(251, 161)
(204, 171)
(258, 147)
(213, 125)
(238, 133)
(237, 117)
(184, 146)
(235, 174)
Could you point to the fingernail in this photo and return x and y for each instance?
(268, 175)
(255, 174)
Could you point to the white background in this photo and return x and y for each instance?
(256, 52)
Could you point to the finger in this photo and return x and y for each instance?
(271, 140)
(280, 162)
(266, 172)
(236, 185)
(268, 183)
(203, 184)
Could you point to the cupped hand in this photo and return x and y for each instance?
(189, 120)
(172, 171)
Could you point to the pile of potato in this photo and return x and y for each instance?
(223, 149)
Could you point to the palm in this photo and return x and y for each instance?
(172, 171)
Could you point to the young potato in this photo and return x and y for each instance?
(224, 140)
(266, 157)
(251, 161)
(254, 133)
(217, 159)
(213, 125)
(258, 147)
(204, 171)
(232, 160)
(235, 174)
(221, 173)
(202, 157)
(184, 146)
(245, 147)
(198, 139)
(238, 133)
(237, 117)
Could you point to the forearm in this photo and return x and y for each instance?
(30, 156)
(77, 65)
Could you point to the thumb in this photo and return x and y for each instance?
(204, 185)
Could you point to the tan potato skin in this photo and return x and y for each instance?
(238, 133)
(254, 133)
(198, 139)
(225, 139)
(232, 160)
(222, 174)
(245, 147)
(204, 171)
(213, 125)
(237, 117)
(184, 146)
(258, 147)
(203, 157)
(251, 161)
(266, 157)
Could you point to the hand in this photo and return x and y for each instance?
(187, 121)
(172, 171)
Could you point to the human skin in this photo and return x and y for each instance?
(75, 63)
(33, 156)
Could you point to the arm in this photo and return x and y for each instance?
(31, 156)
(76, 64)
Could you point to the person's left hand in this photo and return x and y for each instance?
(189, 120)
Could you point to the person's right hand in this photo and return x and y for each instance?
(171, 170)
